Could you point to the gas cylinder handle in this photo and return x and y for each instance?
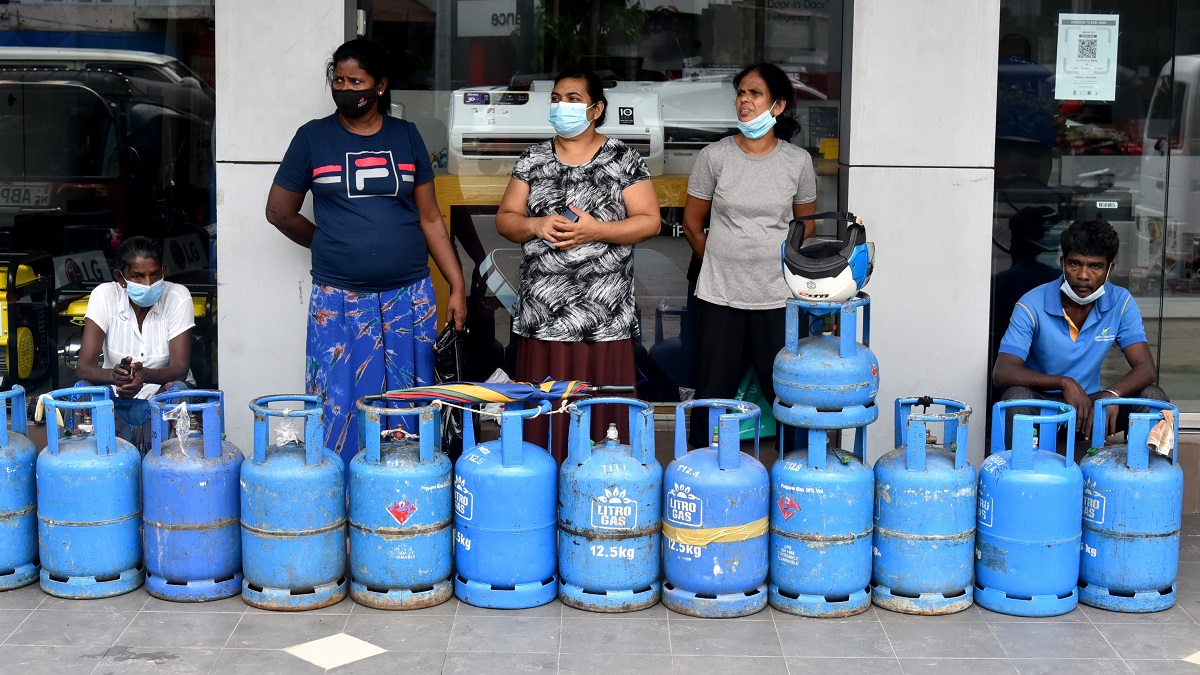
(512, 431)
(1137, 455)
(913, 438)
(1053, 414)
(721, 412)
(579, 446)
(20, 420)
(19, 412)
(314, 427)
(429, 426)
(103, 418)
(210, 405)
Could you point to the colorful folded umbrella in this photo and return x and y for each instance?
(465, 393)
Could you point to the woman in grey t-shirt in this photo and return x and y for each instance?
(747, 188)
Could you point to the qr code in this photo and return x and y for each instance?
(1087, 48)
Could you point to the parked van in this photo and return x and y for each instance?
(142, 65)
(1167, 216)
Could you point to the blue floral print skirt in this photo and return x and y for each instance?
(362, 344)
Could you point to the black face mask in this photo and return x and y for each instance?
(354, 103)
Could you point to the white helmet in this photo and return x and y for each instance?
(827, 270)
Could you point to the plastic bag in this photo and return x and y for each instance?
(449, 361)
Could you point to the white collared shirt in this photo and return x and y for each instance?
(109, 308)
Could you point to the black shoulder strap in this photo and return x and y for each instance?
(833, 215)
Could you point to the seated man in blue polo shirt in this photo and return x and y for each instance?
(1061, 331)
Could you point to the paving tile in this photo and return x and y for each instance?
(968, 615)
(1189, 548)
(157, 660)
(551, 609)
(828, 638)
(1071, 666)
(505, 635)
(26, 597)
(1187, 580)
(71, 629)
(1154, 667)
(958, 666)
(719, 637)
(625, 664)
(448, 608)
(10, 619)
(874, 666)
(943, 640)
(395, 663)
(341, 608)
(131, 601)
(261, 662)
(280, 631)
(50, 660)
(1190, 603)
(173, 629)
(1053, 640)
(658, 611)
(402, 631)
(588, 636)
(1175, 614)
(1160, 641)
(1191, 523)
(491, 663)
(334, 651)
(233, 605)
(724, 665)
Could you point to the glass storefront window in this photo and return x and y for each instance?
(475, 76)
(1128, 158)
(106, 128)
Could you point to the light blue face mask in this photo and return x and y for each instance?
(569, 119)
(143, 295)
(759, 126)
(1095, 295)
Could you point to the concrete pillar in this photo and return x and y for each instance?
(919, 119)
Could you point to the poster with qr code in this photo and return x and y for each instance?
(1086, 67)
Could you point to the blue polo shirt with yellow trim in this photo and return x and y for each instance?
(1040, 334)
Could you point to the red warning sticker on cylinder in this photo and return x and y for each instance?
(787, 506)
(402, 510)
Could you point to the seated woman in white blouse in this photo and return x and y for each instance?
(141, 326)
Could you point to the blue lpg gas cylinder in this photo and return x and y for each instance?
(827, 381)
(505, 517)
(293, 512)
(18, 495)
(190, 489)
(821, 529)
(715, 514)
(1028, 526)
(401, 534)
(89, 503)
(925, 499)
(610, 513)
(1132, 514)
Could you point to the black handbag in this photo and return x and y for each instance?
(449, 361)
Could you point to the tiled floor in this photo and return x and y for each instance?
(135, 633)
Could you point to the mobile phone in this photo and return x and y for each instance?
(569, 215)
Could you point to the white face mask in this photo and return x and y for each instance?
(1095, 295)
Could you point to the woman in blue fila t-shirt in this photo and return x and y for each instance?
(372, 315)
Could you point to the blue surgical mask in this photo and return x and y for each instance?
(569, 119)
(759, 126)
(143, 295)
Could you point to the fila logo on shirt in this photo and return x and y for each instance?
(368, 174)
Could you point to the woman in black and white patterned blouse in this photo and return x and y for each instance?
(577, 204)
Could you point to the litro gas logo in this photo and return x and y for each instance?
(464, 506)
(614, 511)
(683, 507)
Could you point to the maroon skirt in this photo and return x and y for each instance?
(606, 363)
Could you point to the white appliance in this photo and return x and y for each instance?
(489, 128)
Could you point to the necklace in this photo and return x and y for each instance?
(369, 128)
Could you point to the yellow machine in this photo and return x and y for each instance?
(27, 330)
